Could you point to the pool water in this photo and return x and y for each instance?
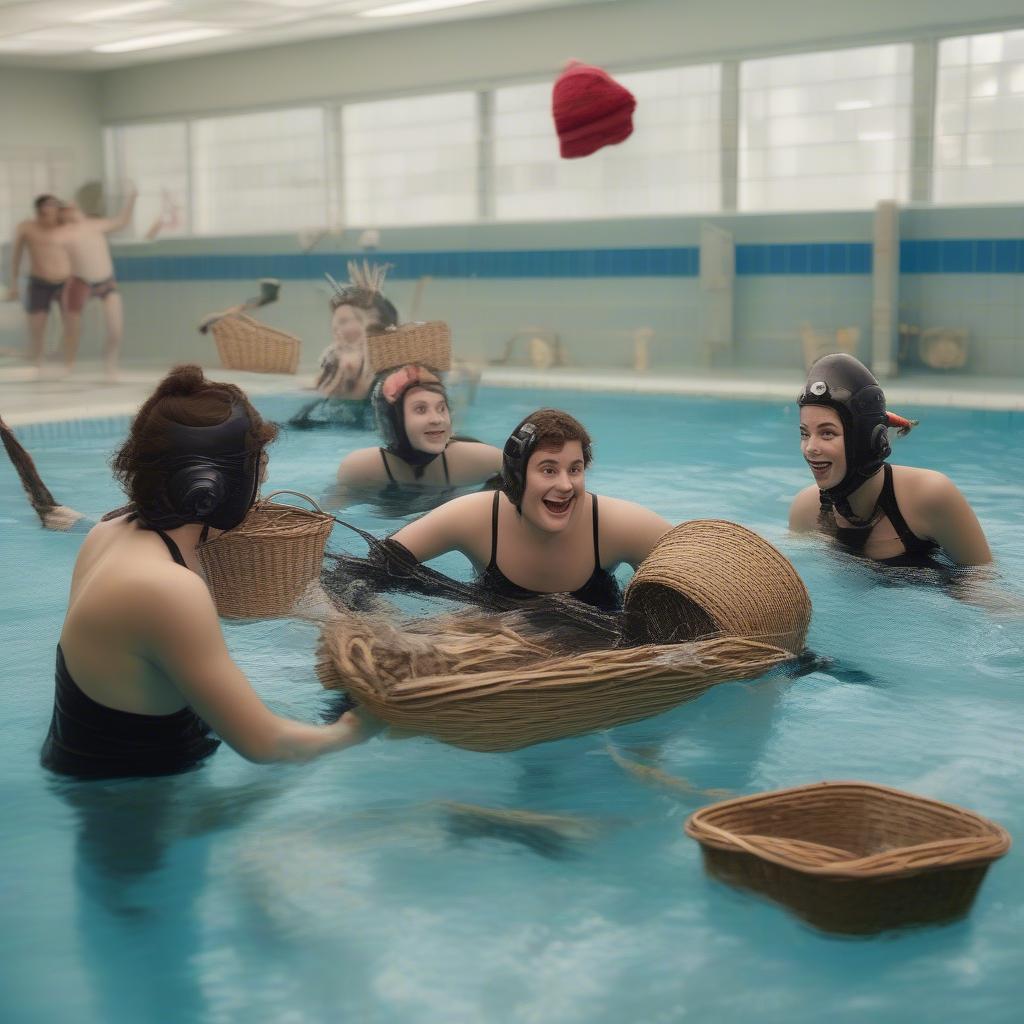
(346, 890)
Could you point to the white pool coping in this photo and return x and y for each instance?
(27, 400)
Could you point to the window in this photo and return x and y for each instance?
(154, 159)
(258, 173)
(670, 164)
(411, 161)
(979, 119)
(825, 130)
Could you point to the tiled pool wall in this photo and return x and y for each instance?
(595, 283)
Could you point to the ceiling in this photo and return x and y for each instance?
(97, 34)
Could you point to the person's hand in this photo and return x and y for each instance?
(354, 727)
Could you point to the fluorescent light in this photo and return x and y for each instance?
(415, 7)
(853, 105)
(188, 35)
(121, 11)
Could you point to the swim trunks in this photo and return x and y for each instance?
(79, 291)
(41, 293)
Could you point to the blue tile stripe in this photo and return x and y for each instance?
(962, 256)
(803, 258)
(547, 263)
(928, 256)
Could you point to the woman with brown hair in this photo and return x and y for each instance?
(143, 675)
(543, 532)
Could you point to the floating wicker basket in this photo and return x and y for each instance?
(247, 344)
(428, 344)
(478, 684)
(259, 569)
(709, 577)
(851, 857)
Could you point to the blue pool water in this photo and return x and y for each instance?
(340, 891)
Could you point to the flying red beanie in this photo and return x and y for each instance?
(591, 110)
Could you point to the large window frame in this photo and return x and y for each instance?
(920, 173)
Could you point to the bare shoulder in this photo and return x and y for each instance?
(922, 488)
(628, 531)
(474, 457)
(361, 466)
(803, 512)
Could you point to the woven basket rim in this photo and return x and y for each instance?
(731, 841)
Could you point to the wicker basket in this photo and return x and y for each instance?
(851, 857)
(710, 577)
(259, 569)
(428, 344)
(246, 344)
(492, 695)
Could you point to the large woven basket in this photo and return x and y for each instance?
(263, 566)
(492, 692)
(247, 344)
(428, 344)
(851, 857)
(709, 577)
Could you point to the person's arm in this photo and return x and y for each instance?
(629, 531)
(187, 643)
(124, 217)
(803, 513)
(949, 520)
(19, 247)
(448, 528)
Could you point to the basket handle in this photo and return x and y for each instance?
(299, 494)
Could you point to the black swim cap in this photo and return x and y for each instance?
(845, 384)
(213, 474)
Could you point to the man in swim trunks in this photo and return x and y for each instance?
(48, 268)
(92, 277)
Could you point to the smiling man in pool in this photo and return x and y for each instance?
(543, 527)
(894, 515)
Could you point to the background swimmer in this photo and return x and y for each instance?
(419, 451)
(143, 676)
(896, 515)
(544, 527)
(345, 378)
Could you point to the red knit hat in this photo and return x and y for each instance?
(591, 110)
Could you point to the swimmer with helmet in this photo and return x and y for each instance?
(143, 676)
(543, 533)
(420, 454)
(344, 377)
(894, 515)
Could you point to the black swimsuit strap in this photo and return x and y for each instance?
(597, 548)
(444, 463)
(887, 500)
(387, 468)
(493, 563)
(173, 548)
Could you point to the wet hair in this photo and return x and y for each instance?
(143, 466)
(40, 201)
(555, 427)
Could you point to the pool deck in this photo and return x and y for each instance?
(26, 398)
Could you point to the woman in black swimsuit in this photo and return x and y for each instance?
(420, 456)
(143, 678)
(894, 515)
(543, 533)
